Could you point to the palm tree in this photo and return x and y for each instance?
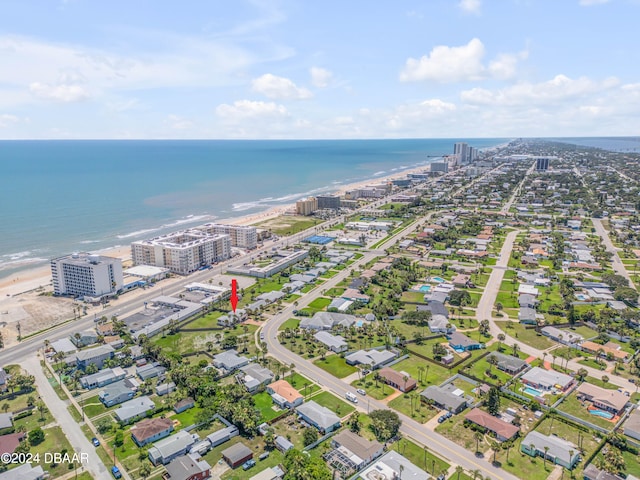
(546, 449)
(459, 470)
(605, 379)
(478, 436)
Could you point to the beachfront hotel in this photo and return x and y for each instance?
(242, 236)
(307, 206)
(85, 275)
(182, 252)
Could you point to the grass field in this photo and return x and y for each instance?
(528, 336)
(288, 225)
(320, 303)
(420, 412)
(333, 403)
(302, 384)
(265, 405)
(335, 365)
(421, 457)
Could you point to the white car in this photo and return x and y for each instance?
(361, 391)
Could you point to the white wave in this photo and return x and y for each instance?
(381, 172)
(138, 233)
(17, 255)
(270, 201)
(90, 241)
(21, 262)
(190, 219)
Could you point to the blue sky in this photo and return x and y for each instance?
(329, 69)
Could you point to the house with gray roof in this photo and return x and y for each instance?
(6, 420)
(320, 417)
(134, 409)
(115, 394)
(558, 451)
(372, 358)
(526, 300)
(392, 465)
(187, 467)
(165, 450)
(445, 398)
(335, 343)
(459, 341)
(353, 451)
(632, 425)
(508, 363)
(440, 324)
(25, 472)
(96, 356)
(566, 337)
(283, 444)
(527, 316)
(165, 388)
(271, 297)
(543, 379)
(229, 360)
(103, 377)
(150, 370)
(220, 436)
(327, 320)
(254, 376)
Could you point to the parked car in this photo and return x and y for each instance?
(115, 471)
(263, 456)
(95, 441)
(361, 391)
(351, 397)
(248, 464)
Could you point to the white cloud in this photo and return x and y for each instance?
(247, 109)
(176, 122)
(7, 120)
(504, 66)
(470, 6)
(59, 93)
(588, 3)
(558, 89)
(276, 87)
(447, 64)
(320, 77)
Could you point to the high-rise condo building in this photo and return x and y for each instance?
(86, 275)
(307, 206)
(242, 236)
(542, 164)
(328, 201)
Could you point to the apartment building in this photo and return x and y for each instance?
(86, 275)
(241, 236)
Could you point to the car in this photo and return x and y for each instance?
(261, 335)
(366, 372)
(95, 441)
(361, 391)
(248, 464)
(631, 380)
(263, 456)
(441, 418)
(115, 471)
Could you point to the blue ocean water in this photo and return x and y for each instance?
(612, 144)
(57, 197)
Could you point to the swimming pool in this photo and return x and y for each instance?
(459, 350)
(425, 288)
(438, 279)
(601, 413)
(581, 296)
(532, 391)
(359, 323)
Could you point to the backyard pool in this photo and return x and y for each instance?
(359, 323)
(601, 413)
(581, 297)
(425, 288)
(438, 279)
(532, 391)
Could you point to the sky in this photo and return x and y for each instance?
(285, 69)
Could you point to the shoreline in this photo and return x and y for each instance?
(30, 279)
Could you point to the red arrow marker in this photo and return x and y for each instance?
(234, 294)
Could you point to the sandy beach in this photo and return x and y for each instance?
(32, 279)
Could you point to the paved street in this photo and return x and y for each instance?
(616, 263)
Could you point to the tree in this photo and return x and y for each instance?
(612, 461)
(385, 424)
(605, 379)
(354, 423)
(499, 307)
(104, 425)
(304, 467)
(119, 439)
(145, 470)
(478, 436)
(582, 374)
(5, 407)
(459, 471)
(501, 338)
(493, 401)
(626, 294)
(35, 436)
(309, 436)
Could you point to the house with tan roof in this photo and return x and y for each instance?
(284, 395)
(151, 429)
(610, 400)
(397, 379)
(503, 431)
(608, 349)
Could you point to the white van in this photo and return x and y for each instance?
(351, 397)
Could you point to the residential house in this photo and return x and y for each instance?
(445, 398)
(508, 363)
(557, 451)
(632, 425)
(83, 339)
(10, 441)
(528, 301)
(134, 409)
(103, 377)
(320, 417)
(237, 454)
(269, 473)
(355, 296)
(400, 380)
(502, 430)
(526, 289)
(150, 430)
(6, 420)
(527, 316)
(459, 341)
(187, 467)
(3, 380)
(335, 343)
(610, 349)
(393, 466)
(283, 444)
(461, 280)
(223, 435)
(229, 360)
(93, 356)
(254, 376)
(354, 451)
(115, 394)
(105, 329)
(165, 388)
(284, 395)
(562, 336)
(25, 472)
(165, 450)
(150, 370)
(547, 379)
(372, 358)
(609, 400)
(184, 404)
(327, 320)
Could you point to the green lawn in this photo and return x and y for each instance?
(528, 336)
(415, 297)
(292, 323)
(54, 441)
(93, 406)
(421, 457)
(369, 385)
(265, 405)
(574, 407)
(335, 292)
(302, 384)
(335, 365)
(333, 403)
(434, 374)
(320, 303)
(420, 412)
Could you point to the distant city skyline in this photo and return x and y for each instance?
(264, 69)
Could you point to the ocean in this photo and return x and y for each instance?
(57, 197)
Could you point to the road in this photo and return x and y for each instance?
(616, 263)
(516, 191)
